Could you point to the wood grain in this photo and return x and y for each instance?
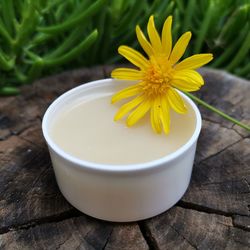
(181, 228)
(213, 214)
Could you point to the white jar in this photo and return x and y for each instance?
(120, 193)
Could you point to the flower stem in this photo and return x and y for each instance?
(217, 111)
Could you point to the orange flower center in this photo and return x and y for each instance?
(156, 80)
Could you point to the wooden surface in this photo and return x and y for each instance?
(213, 214)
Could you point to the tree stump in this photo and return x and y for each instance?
(213, 214)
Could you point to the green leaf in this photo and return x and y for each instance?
(82, 17)
(8, 91)
(88, 41)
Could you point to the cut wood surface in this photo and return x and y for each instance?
(213, 214)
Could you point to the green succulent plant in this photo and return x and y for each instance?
(41, 37)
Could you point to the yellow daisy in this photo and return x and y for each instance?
(158, 76)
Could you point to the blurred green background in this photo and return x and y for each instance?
(42, 37)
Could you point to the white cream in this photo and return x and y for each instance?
(87, 131)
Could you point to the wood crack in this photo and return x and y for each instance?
(203, 209)
(72, 213)
(244, 228)
(218, 123)
(231, 127)
(182, 236)
(62, 243)
(147, 235)
(248, 185)
(108, 238)
(220, 151)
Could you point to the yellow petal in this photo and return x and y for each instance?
(194, 62)
(187, 80)
(138, 113)
(128, 107)
(155, 116)
(176, 101)
(133, 56)
(154, 36)
(166, 36)
(143, 41)
(184, 85)
(126, 74)
(125, 93)
(191, 75)
(180, 47)
(165, 115)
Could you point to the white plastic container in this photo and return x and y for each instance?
(120, 193)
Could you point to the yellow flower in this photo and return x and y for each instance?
(158, 76)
